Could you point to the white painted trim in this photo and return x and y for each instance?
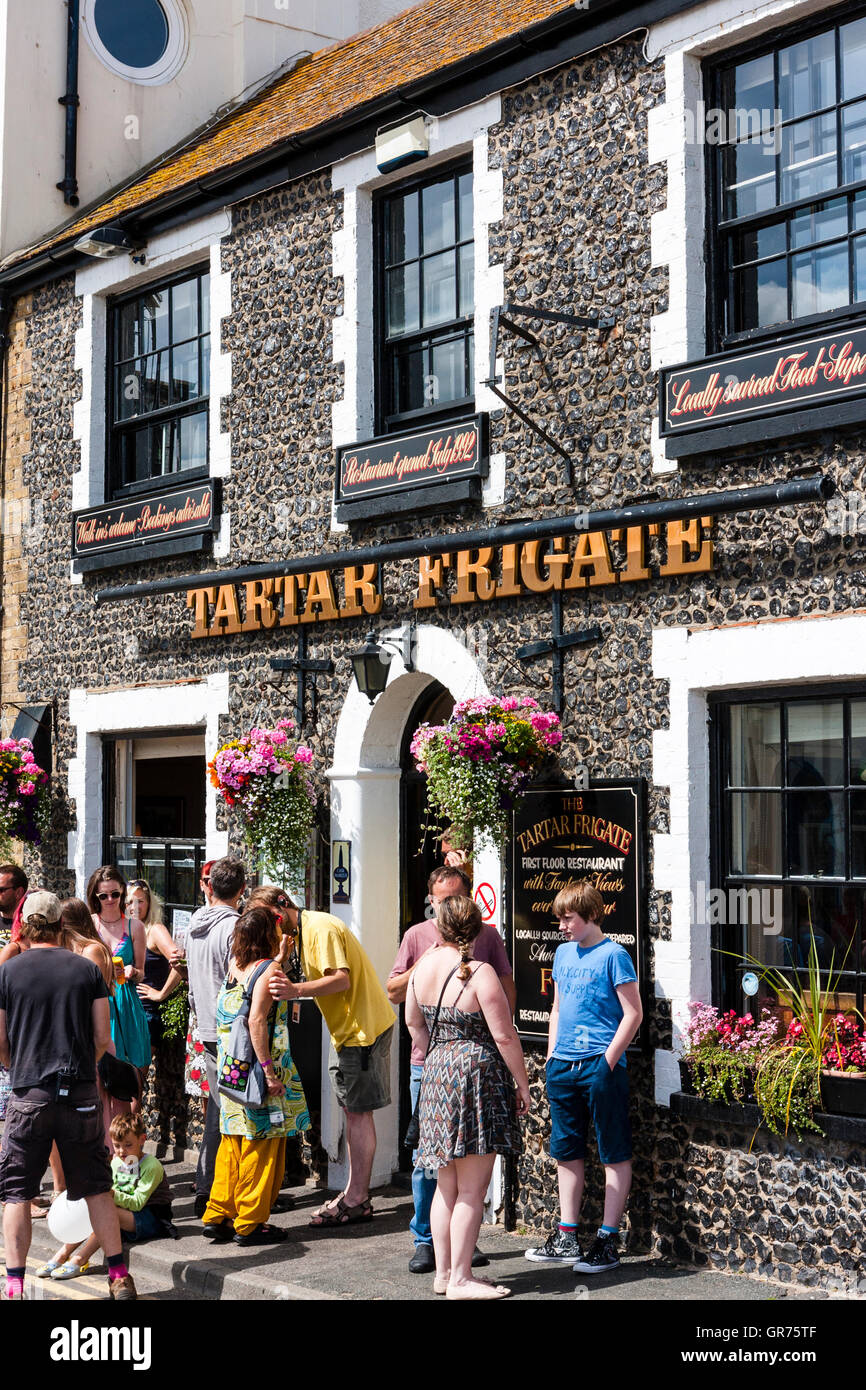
(93, 713)
(94, 284)
(358, 179)
(167, 66)
(678, 231)
(695, 663)
(365, 809)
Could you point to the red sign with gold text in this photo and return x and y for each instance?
(122, 525)
(723, 390)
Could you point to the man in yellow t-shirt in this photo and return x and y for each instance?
(341, 979)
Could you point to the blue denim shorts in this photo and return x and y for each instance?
(584, 1090)
(147, 1225)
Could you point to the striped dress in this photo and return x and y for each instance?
(467, 1100)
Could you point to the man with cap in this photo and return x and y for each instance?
(54, 1027)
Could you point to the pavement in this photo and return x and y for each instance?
(368, 1262)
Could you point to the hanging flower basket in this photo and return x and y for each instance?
(24, 798)
(479, 764)
(264, 778)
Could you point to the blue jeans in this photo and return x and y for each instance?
(423, 1186)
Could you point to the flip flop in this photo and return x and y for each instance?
(338, 1213)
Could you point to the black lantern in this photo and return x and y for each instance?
(371, 666)
(373, 662)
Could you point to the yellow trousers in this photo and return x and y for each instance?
(247, 1180)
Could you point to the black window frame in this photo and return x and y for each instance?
(387, 422)
(726, 971)
(720, 337)
(115, 429)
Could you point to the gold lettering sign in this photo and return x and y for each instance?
(507, 571)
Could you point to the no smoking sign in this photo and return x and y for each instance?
(485, 897)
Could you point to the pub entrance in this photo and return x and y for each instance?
(420, 854)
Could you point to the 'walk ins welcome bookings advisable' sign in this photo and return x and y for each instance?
(560, 837)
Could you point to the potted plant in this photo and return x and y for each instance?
(723, 1052)
(843, 1066)
(24, 799)
(788, 1080)
(264, 777)
(480, 762)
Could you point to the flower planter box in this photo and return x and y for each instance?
(844, 1092)
(687, 1085)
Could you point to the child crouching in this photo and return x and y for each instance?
(140, 1191)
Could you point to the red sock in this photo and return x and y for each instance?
(117, 1271)
(14, 1286)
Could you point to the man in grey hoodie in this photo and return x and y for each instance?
(208, 947)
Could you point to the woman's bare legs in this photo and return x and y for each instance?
(472, 1175)
(441, 1211)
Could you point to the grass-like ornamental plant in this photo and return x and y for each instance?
(788, 1080)
(264, 778)
(480, 762)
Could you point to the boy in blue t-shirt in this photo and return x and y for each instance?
(596, 1014)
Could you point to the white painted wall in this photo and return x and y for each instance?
(752, 655)
(124, 125)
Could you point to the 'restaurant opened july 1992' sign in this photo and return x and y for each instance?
(402, 461)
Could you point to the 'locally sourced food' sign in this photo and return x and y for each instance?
(724, 390)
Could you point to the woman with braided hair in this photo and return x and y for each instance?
(467, 1107)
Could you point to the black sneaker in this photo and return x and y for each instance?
(601, 1256)
(560, 1248)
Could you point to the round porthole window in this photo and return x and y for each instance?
(140, 40)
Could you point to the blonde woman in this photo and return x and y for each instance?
(161, 979)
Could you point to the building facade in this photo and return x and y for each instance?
(306, 407)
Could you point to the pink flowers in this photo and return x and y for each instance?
(478, 764)
(708, 1029)
(264, 777)
(844, 1046)
(24, 803)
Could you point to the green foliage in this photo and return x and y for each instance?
(174, 1012)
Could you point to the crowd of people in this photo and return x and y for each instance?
(80, 988)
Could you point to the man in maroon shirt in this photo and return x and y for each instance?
(446, 882)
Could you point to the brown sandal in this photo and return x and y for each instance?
(338, 1213)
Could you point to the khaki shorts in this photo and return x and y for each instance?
(361, 1076)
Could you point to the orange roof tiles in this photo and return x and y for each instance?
(417, 43)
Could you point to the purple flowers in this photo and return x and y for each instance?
(24, 803)
(264, 777)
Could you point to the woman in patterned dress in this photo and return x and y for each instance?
(251, 1161)
(467, 1107)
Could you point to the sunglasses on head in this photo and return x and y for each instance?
(283, 902)
(103, 896)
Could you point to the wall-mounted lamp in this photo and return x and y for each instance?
(402, 144)
(373, 662)
(105, 242)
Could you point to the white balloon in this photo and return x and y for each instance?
(69, 1222)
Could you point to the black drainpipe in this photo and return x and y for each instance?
(69, 183)
(741, 499)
